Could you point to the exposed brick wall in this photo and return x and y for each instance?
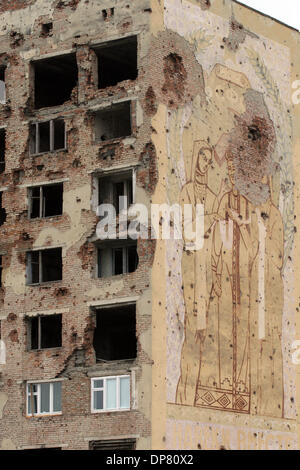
(19, 234)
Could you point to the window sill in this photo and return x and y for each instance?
(114, 276)
(44, 283)
(44, 415)
(114, 141)
(56, 348)
(47, 152)
(45, 218)
(110, 411)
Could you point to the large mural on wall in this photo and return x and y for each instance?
(231, 330)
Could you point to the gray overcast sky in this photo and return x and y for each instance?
(287, 11)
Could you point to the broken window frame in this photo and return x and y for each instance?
(34, 389)
(104, 390)
(114, 177)
(113, 108)
(29, 264)
(34, 149)
(3, 86)
(42, 205)
(114, 246)
(39, 333)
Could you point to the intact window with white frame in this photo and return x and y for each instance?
(110, 393)
(48, 136)
(43, 398)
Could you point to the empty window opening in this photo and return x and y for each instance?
(115, 333)
(117, 60)
(2, 150)
(46, 201)
(43, 398)
(111, 393)
(2, 86)
(44, 266)
(2, 211)
(47, 29)
(117, 259)
(45, 332)
(47, 136)
(117, 444)
(108, 13)
(113, 123)
(117, 189)
(54, 80)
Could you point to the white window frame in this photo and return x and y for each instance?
(38, 394)
(35, 145)
(95, 389)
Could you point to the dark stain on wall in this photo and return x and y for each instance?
(251, 146)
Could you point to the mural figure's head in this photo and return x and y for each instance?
(204, 160)
(231, 168)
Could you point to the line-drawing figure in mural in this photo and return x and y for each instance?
(196, 272)
(241, 355)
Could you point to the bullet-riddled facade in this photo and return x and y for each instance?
(148, 344)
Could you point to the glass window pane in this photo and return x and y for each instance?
(98, 383)
(125, 392)
(111, 395)
(45, 398)
(35, 404)
(98, 400)
(56, 396)
(29, 403)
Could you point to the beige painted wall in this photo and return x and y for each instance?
(266, 60)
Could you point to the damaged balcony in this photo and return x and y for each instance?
(54, 80)
(115, 333)
(117, 61)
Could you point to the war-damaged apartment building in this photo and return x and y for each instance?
(148, 344)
